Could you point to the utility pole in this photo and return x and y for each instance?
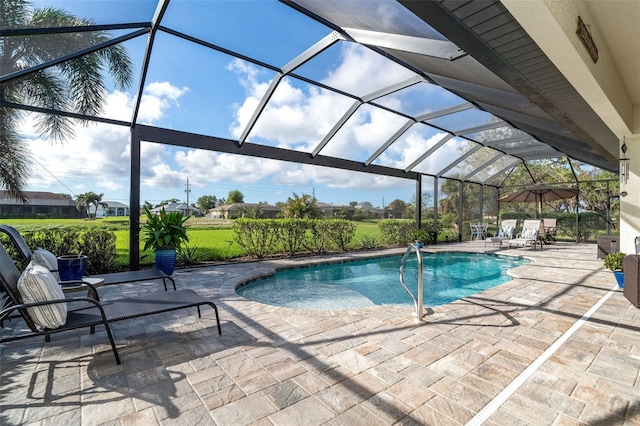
(188, 190)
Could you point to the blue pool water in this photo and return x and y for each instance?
(447, 276)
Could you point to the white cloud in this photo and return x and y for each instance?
(96, 158)
(156, 101)
(362, 71)
(165, 90)
(298, 116)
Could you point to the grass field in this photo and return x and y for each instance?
(214, 238)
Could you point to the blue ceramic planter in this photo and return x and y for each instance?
(166, 260)
(619, 278)
(71, 267)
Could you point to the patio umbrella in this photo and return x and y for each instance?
(539, 193)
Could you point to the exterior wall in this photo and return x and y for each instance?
(112, 211)
(630, 205)
(40, 204)
(34, 210)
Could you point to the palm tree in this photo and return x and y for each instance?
(76, 85)
(97, 202)
(302, 207)
(83, 202)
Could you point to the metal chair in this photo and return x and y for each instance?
(87, 312)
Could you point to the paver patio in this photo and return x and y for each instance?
(363, 366)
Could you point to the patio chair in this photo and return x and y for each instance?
(478, 231)
(505, 232)
(550, 230)
(49, 304)
(109, 279)
(532, 229)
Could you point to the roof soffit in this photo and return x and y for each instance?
(481, 29)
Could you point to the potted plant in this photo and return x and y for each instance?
(421, 237)
(164, 232)
(613, 261)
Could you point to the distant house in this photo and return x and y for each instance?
(390, 213)
(174, 207)
(238, 210)
(114, 208)
(370, 211)
(39, 204)
(336, 210)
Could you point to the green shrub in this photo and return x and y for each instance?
(369, 242)
(57, 240)
(614, 260)
(188, 255)
(97, 244)
(318, 240)
(292, 234)
(260, 237)
(341, 232)
(257, 237)
(12, 251)
(399, 232)
(100, 248)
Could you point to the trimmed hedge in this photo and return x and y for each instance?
(262, 237)
(97, 244)
(397, 232)
(401, 232)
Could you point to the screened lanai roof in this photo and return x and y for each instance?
(365, 86)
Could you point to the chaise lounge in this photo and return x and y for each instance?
(504, 233)
(48, 311)
(532, 231)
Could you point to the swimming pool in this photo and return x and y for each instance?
(447, 276)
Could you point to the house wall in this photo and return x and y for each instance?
(630, 205)
(112, 211)
(35, 210)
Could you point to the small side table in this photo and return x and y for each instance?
(74, 286)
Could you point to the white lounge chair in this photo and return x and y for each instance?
(550, 225)
(505, 232)
(532, 229)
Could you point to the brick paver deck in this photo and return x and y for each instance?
(358, 367)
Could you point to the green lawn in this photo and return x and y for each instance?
(214, 239)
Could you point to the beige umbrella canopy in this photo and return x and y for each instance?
(539, 193)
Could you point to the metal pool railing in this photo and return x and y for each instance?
(417, 301)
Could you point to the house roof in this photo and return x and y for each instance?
(236, 206)
(326, 206)
(173, 207)
(38, 198)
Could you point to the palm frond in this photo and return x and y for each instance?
(76, 85)
(15, 159)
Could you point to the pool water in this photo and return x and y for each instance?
(447, 276)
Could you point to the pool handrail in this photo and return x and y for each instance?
(417, 303)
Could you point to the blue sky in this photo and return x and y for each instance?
(194, 89)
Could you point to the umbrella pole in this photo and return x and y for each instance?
(577, 218)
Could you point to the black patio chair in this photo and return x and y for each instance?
(87, 312)
(109, 279)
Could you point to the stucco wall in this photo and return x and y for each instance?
(630, 205)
